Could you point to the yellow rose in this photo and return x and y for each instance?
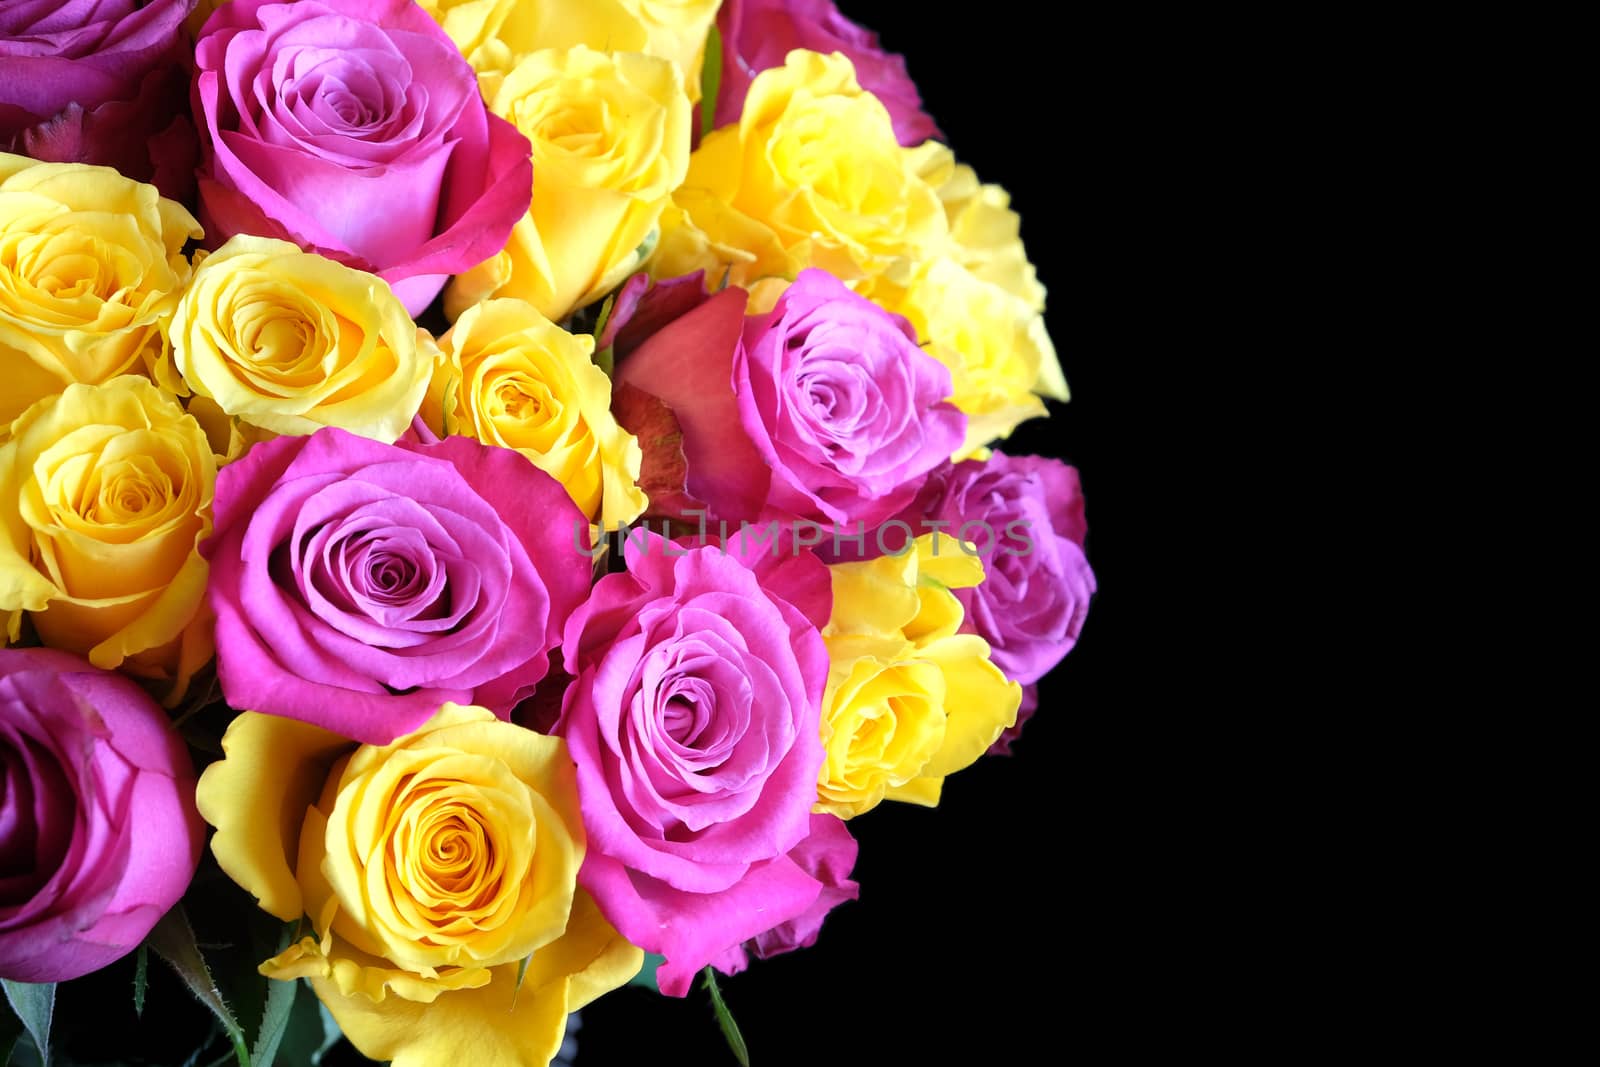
(513, 378)
(909, 700)
(431, 869)
(90, 268)
(985, 234)
(610, 137)
(105, 496)
(995, 345)
(492, 34)
(811, 176)
(292, 342)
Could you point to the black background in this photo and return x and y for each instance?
(987, 929)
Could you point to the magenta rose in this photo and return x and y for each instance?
(99, 835)
(827, 854)
(355, 129)
(1024, 514)
(358, 585)
(758, 34)
(99, 81)
(824, 409)
(693, 719)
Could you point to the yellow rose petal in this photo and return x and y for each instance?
(256, 796)
(490, 33)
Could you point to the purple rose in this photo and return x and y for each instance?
(358, 585)
(1025, 516)
(823, 409)
(99, 81)
(99, 835)
(355, 129)
(758, 34)
(693, 717)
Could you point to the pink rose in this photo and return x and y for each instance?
(100, 81)
(355, 129)
(693, 719)
(827, 854)
(823, 409)
(758, 34)
(99, 835)
(359, 585)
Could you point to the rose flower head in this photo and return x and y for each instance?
(91, 269)
(105, 498)
(100, 81)
(433, 870)
(610, 137)
(910, 699)
(291, 341)
(822, 409)
(359, 585)
(810, 176)
(511, 377)
(1035, 596)
(98, 830)
(692, 715)
(355, 129)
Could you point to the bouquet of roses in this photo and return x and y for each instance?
(517, 474)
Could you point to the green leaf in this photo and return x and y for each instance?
(307, 1037)
(604, 317)
(730, 1029)
(604, 355)
(274, 1021)
(141, 977)
(647, 974)
(647, 247)
(173, 941)
(35, 1005)
(522, 972)
(710, 82)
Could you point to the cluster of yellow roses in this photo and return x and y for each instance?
(134, 373)
(811, 176)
